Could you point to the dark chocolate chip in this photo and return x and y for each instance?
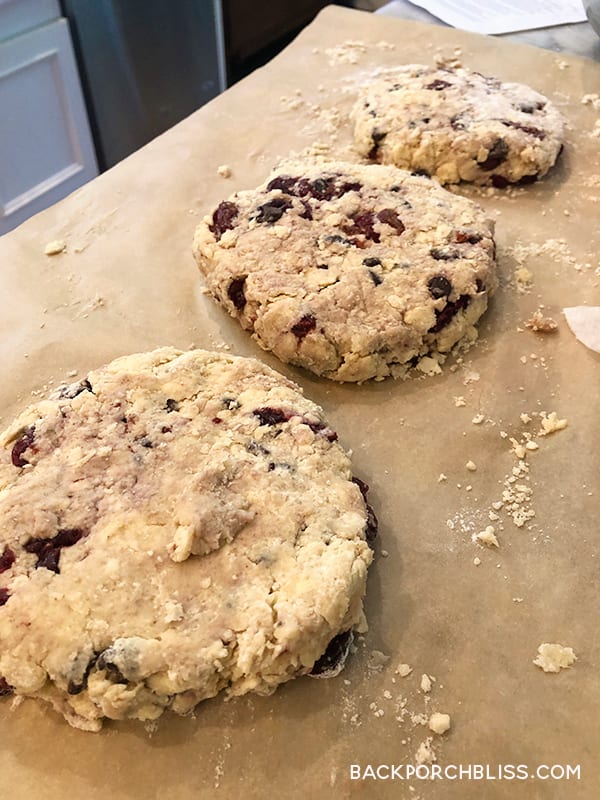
(333, 659)
(457, 122)
(146, 442)
(497, 154)
(421, 172)
(256, 448)
(450, 310)
(437, 85)
(23, 443)
(371, 262)
(7, 559)
(444, 255)
(5, 688)
(272, 211)
(304, 326)
(529, 108)
(322, 266)
(335, 237)
(69, 392)
(230, 403)
(439, 286)
(377, 279)
(4, 595)
(223, 217)
(172, 405)
(271, 416)
(235, 292)
(76, 687)
(113, 672)
(217, 420)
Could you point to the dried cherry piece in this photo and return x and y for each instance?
(23, 443)
(7, 559)
(497, 154)
(284, 183)
(333, 659)
(307, 213)
(450, 310)
(222, 219)
(389, 217)
(272, 211)
(271, 416)
(500, 182)
(236, 293)
(529, 129)
(324, 430)
(304, 326)
(438, 84)
(460, 237)
(372, 521)
(363, 224)
(48, 550)
(439, 286)
(527, 179)
(4, 595)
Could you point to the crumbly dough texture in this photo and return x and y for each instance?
(351, 271)
(456, 125)
(174, 525)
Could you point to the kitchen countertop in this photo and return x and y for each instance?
(579, 39)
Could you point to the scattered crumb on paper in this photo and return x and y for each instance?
(554, 657)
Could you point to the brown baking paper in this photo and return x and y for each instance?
(127, 282)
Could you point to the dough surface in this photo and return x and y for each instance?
(351, 271)
(174, 525)
(457, 125)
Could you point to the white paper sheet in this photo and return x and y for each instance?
(504, 16)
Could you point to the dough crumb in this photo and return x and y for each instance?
(425, 753)
(471, 466)
(478, 419)
(224, 170)
(55, 247)
(459, 402)
(554, 657)
(403, 670)
(439, 723)
(551, 423)
(487, 537)
(541, 324)
(425, 683)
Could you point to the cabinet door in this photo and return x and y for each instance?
(46, 148)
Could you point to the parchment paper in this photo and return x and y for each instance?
(127, 282)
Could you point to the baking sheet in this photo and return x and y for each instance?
(127, 282)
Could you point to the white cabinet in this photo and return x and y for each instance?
(46, 149)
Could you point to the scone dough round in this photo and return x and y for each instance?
(174, 525)
(457, 125)
(351, 271)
